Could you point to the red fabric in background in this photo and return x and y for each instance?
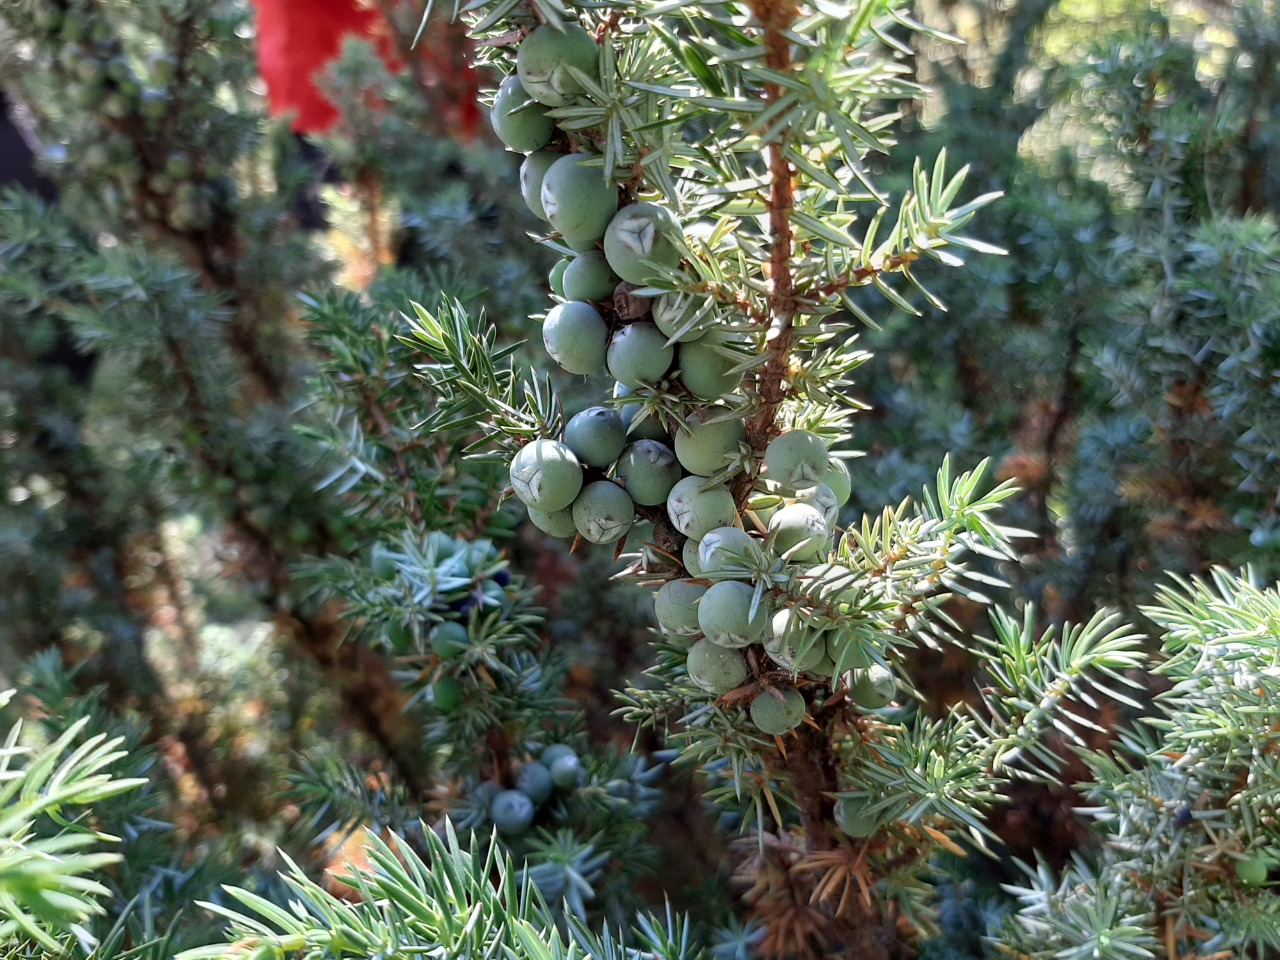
(297, 39)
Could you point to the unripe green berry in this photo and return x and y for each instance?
(717, 545)
(1253, 871)
(555, 279)
(676, 607)
(446, 694)
(648, 428)
(638, 354)
(603, 513)
(576, 198)
(680, 317)
(715, 669)
(520, 122)
(833, 582)
(853, 816)
(648, 470)
(705, 371)
(557, 523)
(695, 512)
(512, 811)
(725, 616)
(545, 474)
(824, 669)
(576, 337)
(822, 499)
(534, 780)
(848, 651)
(705, 448)
(400, 637)
(799, 532)
(689, 553)
(588, 277)
(384, 564)
(793, 644)
(450, 639)
(776, 712)
(872, 687)
(585, 244)
(596, 436)
(838, 479)
(796, 458)
(638, 236)
(545, 57)
(532, 172)
(566, 771)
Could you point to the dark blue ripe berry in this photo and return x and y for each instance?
(534, 779)
(566, 771)
(512, 811)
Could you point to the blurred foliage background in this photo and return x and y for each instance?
(234, 520)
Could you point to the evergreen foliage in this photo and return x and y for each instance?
(1139, 225)
(723, 190)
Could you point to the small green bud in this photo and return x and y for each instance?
(1253, 871)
